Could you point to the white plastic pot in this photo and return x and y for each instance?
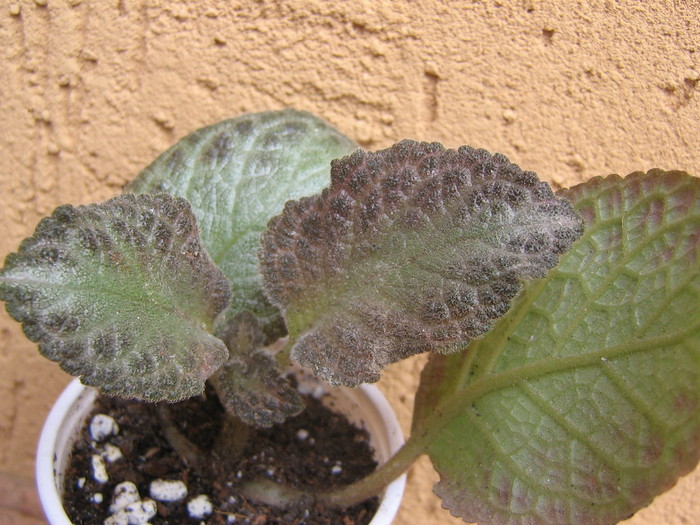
(365, 406)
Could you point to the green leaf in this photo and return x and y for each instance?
(413, 248)
(121, 294)
(249, 385)
(583, 402)
(237, 174)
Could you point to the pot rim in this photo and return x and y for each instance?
(46, 459)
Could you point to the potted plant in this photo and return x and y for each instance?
(365, 407)
(563, 384)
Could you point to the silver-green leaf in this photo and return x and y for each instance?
(237, 174)
(583, 402)
(414, 248)
(121, 294)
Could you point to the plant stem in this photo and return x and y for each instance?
(188, 451)
(231, 441)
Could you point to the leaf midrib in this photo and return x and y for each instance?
(81, 289)
(461, 402)
(461, 399)
(592, 295)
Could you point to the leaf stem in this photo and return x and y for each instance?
(276, 495)
(284, 356)
(188, 451)
(373, 484)
(231, 441)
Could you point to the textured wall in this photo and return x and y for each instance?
(91, 91)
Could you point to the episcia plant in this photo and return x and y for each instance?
(563, 384)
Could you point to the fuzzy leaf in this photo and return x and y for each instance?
(250, 385)
(121, 294)
(413, 248)
(252, 388)
(237, 174)
(583, 402)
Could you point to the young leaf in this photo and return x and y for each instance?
(413, 248)
(583, 402)
(237, 174)
(250, 385)
(121, 294)
(252, 388)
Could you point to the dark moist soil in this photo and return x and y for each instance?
(277, 453)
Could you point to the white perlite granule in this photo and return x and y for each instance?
(99, 470)
(111, 453)
(310, 388)
(200, 507)
(120, 518)
(124, 494)
(140, 512)
(162, 490)
(102, 426)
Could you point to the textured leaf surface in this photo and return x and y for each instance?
(413, 248)
(121, 294)
(237, 174)
(249, 385)
(584, 401)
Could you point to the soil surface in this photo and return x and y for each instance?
(318, 448)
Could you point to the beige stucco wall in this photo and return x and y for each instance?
(91, 91)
